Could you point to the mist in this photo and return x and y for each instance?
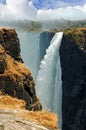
(21, 14)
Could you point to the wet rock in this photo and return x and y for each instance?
(73, 62)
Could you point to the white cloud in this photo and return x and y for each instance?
(68, 13)
(22, 9)
(18, 9)
(62, 4)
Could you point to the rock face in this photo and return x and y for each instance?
(2, 60)
(45, 38)
(10, 42)
(9, 120)
(73, 62)
(15, 78)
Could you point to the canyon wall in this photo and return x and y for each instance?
(73, 63)
(15, 78)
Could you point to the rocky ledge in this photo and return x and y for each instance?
(9, 120)
(13, 116)
(15, 78)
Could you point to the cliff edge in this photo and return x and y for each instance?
(13, 116)
(15, 78)
(73, 63)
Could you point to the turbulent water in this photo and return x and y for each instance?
(49, 84)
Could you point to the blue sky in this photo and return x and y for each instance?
(2, 1)
(56, 3)
(53, 3)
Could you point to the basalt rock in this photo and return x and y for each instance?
(73, 62)
(15, 78)
(2, 60)
(45, 38)
(10, 42)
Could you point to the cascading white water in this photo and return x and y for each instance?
(49, 84)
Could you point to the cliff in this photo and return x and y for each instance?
(73, 63)
(15, 78)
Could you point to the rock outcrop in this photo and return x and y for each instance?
(10, 42)
(9, 120)
(13, 116)
(73, 62)
(15, 78)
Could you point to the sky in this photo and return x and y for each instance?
(42, 10)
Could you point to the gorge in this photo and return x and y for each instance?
(73, 64)
(46, 62)
(43, 47)
(50, 67)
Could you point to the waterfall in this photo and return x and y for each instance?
(33, 48)
(48, 83)
(30, 49)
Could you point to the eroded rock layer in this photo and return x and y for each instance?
(15, 78)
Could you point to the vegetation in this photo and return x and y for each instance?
(7, 102)
(43, 118)
(15, 67)
(24, 25)
(34, 26)
(27, 25)
(77, 35)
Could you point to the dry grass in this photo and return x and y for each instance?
(6, 28)
(15, 67)
(46, 119)
(7, 102)
(1, 50)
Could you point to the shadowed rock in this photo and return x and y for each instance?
(73, 62)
